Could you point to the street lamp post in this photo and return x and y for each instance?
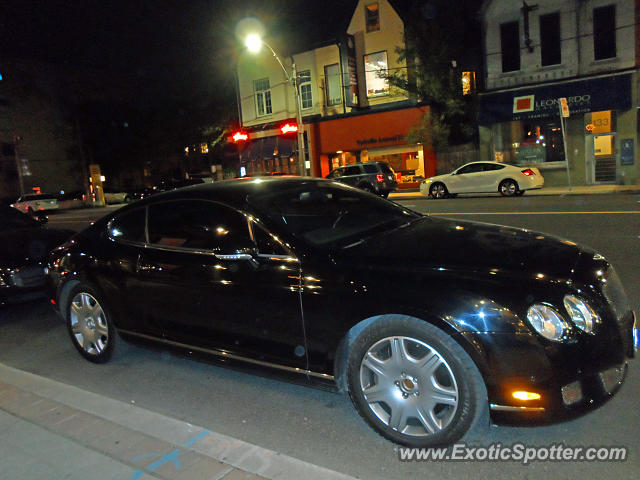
(253, 44)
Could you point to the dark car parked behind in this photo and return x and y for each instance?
(24, 246)
(374, 177)
(425, 322)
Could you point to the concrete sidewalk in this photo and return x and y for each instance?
(53, 430)
(577, 190)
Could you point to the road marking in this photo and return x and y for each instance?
(536, 213)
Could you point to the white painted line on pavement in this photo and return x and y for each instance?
(539, 213)
(246, 456)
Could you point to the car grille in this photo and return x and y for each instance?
(615, 295)
(28, 277)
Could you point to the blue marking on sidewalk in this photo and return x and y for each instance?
(200, 436)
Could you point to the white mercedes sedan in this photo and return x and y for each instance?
(483, 177)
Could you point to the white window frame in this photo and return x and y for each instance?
(304, 84)
(262, 96)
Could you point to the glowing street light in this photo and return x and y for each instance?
(254, 42)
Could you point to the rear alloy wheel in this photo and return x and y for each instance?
(412, 383)
(89, 325)
(438, 190)
(508, 188)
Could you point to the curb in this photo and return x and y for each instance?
(149, 442)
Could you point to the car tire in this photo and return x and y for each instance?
(438, 190)
(413, 384)
(90, 324)
(128, 199)
(508, 188)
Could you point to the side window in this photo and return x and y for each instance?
(266, 243)
(337, 173)
(198, 225)
(370, 168)
(353, 170)
(490, 167)
(129, 226)
(473, 168)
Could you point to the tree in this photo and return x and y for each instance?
(441, 36)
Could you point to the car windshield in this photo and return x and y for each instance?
(331, 214)
(12, 218)
(42, 196)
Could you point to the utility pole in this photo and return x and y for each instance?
(16, 151)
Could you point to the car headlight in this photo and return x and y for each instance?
(582, 315)
(546, 321)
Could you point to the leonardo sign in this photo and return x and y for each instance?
(597, 94)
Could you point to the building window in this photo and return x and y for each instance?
(332, 80)
(510, 46)
(204, 148)
(468, 83)
(550, 50)
(375, 68)
(372, 17)
(263, 97)
(304, 82)
(604, 32)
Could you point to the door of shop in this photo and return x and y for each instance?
(602, 162)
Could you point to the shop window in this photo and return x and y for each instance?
(604, 32)
(510, 46)
(539, 143)
(332, 81)
(372, 17)
(550, 44)
(262, 91)
(304, 81)
(375, 68)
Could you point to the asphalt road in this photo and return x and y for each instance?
(322, 427)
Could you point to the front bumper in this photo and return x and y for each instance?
(571, 380)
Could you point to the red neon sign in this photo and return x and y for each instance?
(240, 136)
(289, 128)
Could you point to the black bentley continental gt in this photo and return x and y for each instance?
(424, 322)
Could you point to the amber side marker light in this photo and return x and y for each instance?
(526, 395)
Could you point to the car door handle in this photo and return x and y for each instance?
(142, 267)
(234, 256)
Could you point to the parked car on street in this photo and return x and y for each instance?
(138, 194)
(483, 177)
(24, 246)
(374, 177)
(33, 203)
(425, 322)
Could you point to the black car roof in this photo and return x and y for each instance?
(234, 192)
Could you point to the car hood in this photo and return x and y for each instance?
(22, 246)
(438, 243)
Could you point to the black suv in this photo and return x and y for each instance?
(374, 177)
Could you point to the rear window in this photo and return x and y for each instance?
(386, 168)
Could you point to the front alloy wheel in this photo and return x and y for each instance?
(412, 383)
(409, 386)
(89, 326)
(438, 190)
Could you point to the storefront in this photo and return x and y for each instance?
(373, 137)
(522, 126)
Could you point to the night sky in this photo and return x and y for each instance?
(179, 48)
